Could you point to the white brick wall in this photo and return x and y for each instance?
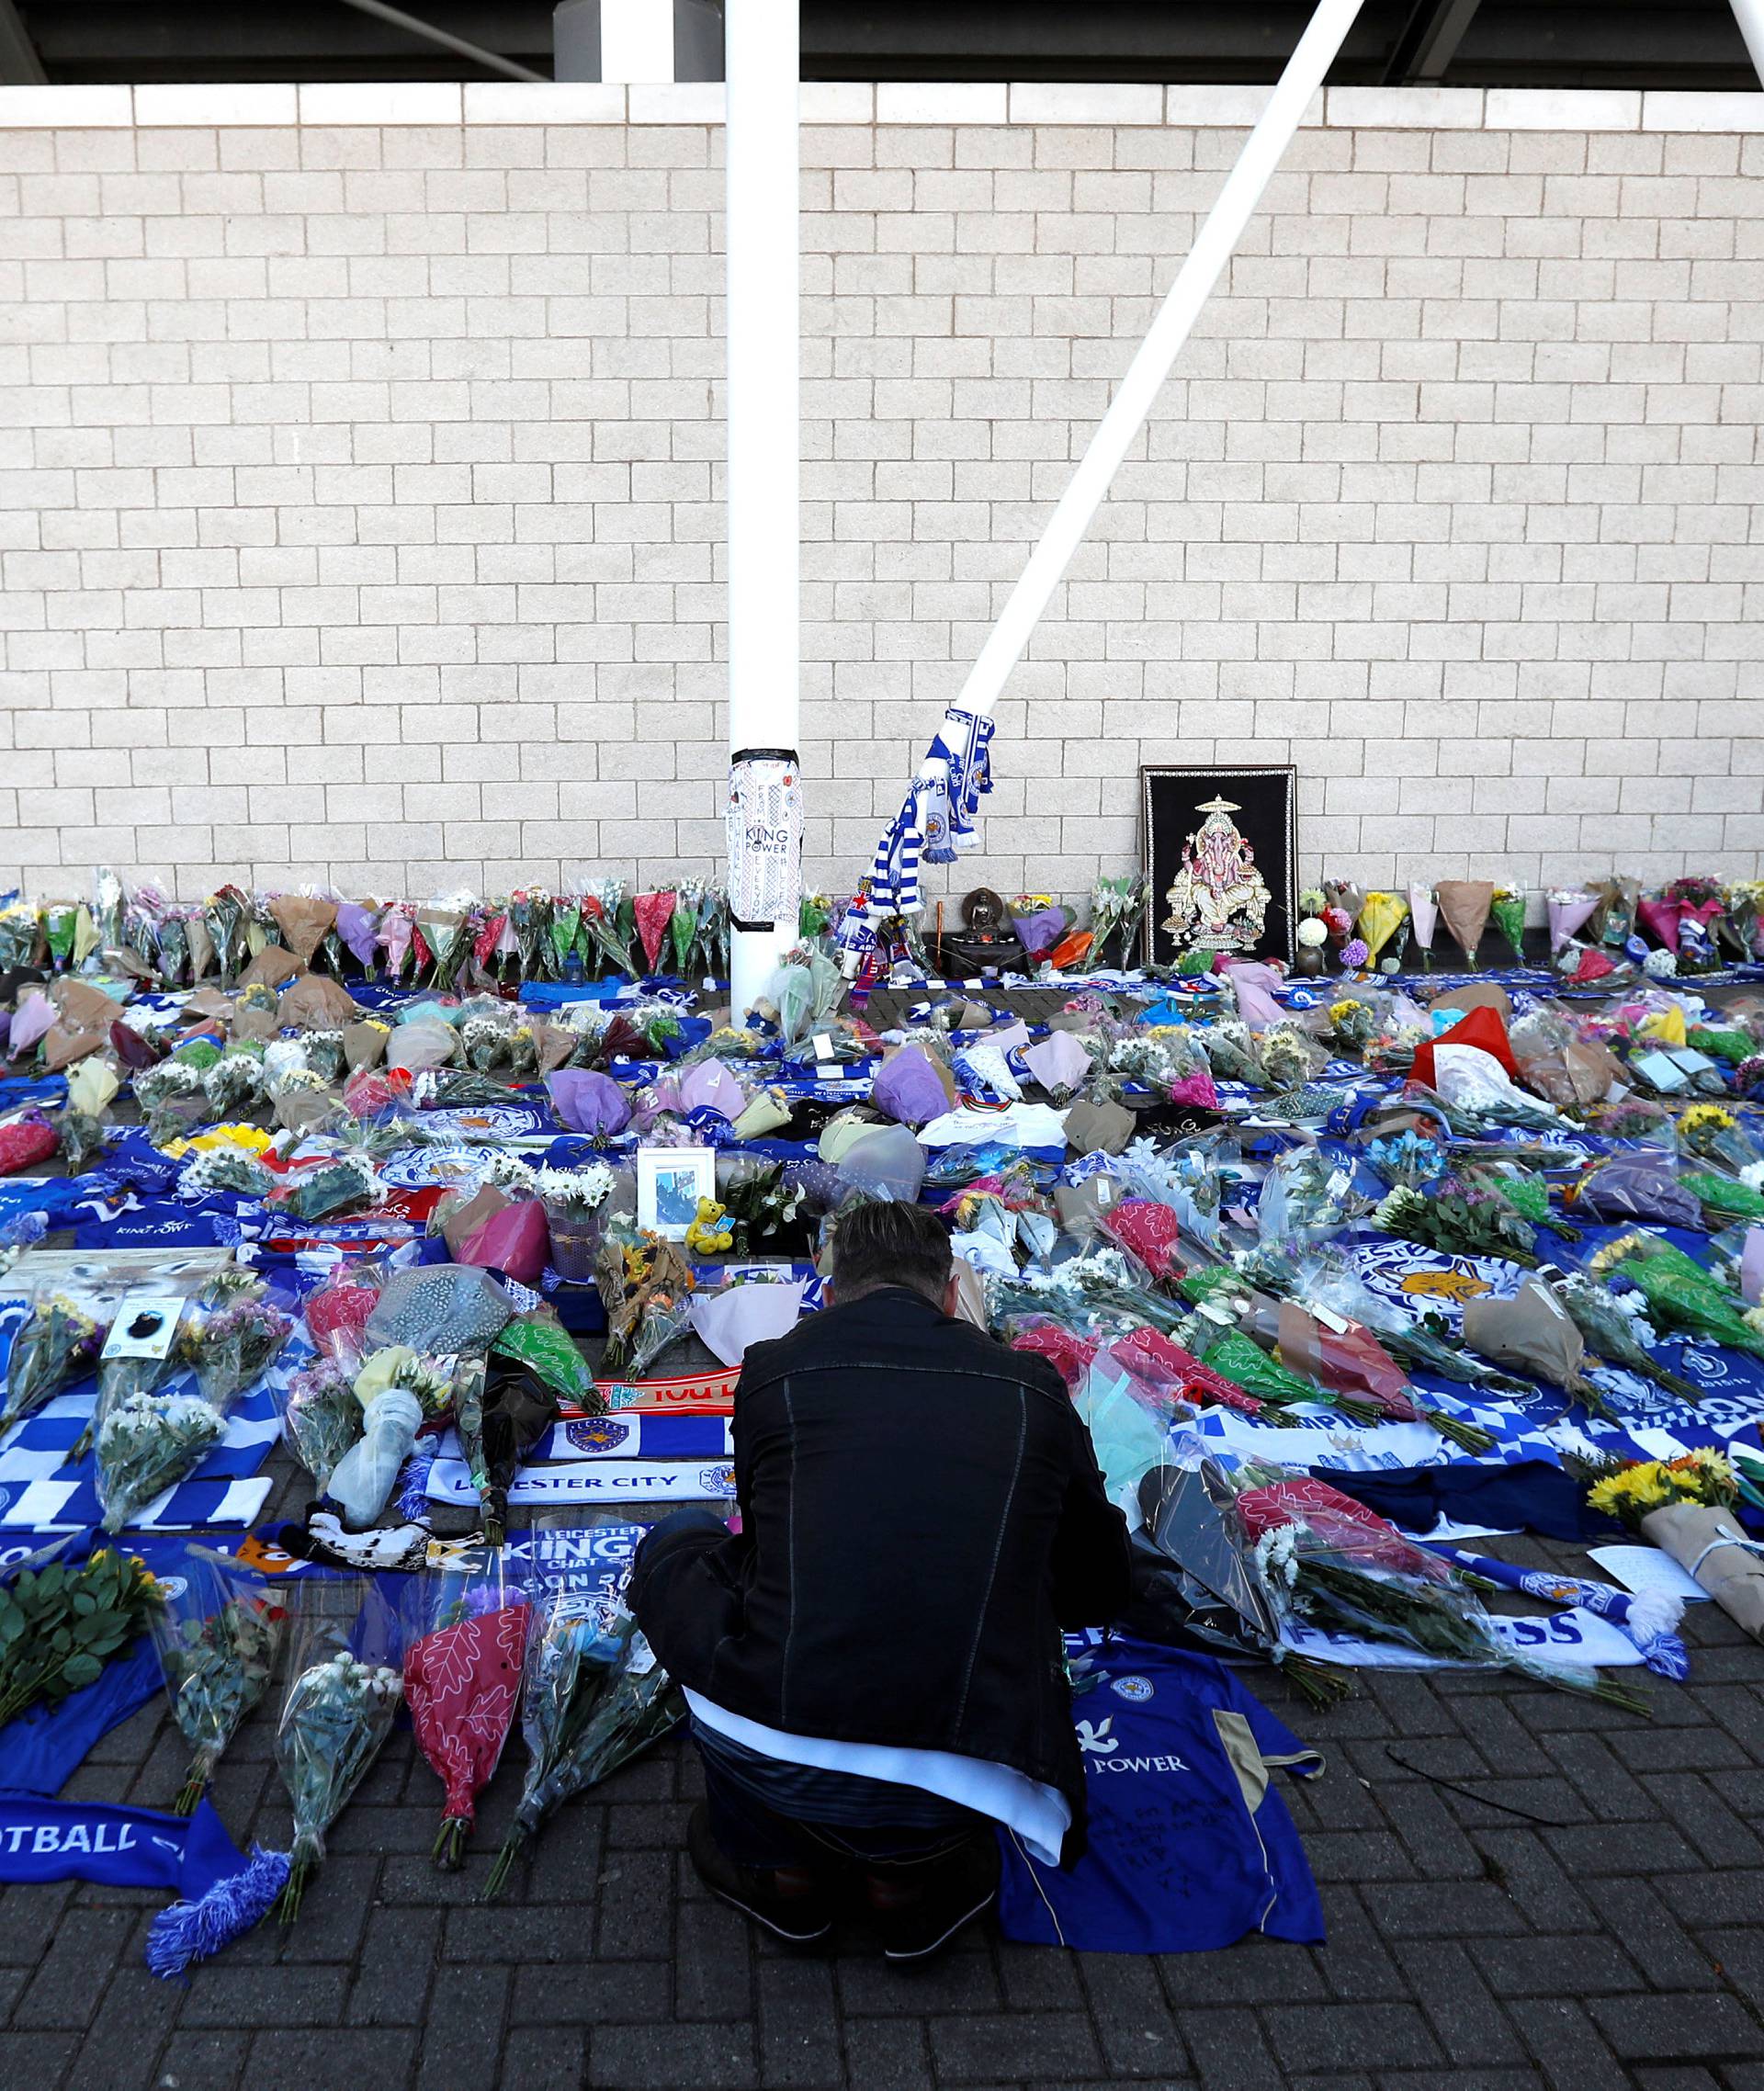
(360, 510)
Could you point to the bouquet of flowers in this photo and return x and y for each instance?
(1527, 1197)
(1289, 1058)
(60, 1626)
(764, 1211)
(224, 1168)
(1117, 909)
(147, 1442)
(1196, 1579)
(645, 1284)
(343, 1695)
(139, 1355)
(60, 1339)
(1354, 1023)
(1508, 907)
(1681, 1295)
(462, 1684)
(608, 943)
(1685, 1507)
(1460, 1222)
(592, 1697)
(343, 1184)
(218, 1635)
(322, 1418)
(235, 1085)
(1715, 1135)
(1615, 1335)
(1630, 1490)
(1330, 1563)
(1409, 1159)
(1325, 1281)
(226, 913)
(233, 1336)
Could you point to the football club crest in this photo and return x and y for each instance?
(718, 1480)
(597, 1433)
(1427, 1281)
(1135, 1688)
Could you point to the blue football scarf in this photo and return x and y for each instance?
(1191, 1848)
(1647, 1621)
(220, 1894)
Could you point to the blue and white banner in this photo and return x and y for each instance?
(624, 1438)
(611, 1481)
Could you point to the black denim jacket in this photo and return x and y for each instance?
(921, 1514)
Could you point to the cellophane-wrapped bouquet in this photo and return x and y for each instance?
(218, 1636)
(344, 1688)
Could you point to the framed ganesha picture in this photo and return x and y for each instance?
(1220, 860)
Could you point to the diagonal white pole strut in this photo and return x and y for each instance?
(1749, 15)
(1151, 364)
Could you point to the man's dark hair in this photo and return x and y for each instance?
(890, 1244)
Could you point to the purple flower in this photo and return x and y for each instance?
(1354, 954)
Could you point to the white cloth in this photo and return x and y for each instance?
(1039, 1815)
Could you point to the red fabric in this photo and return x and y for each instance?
(1337, 1522)
(1068, 1354)
(462, 1684)
(1165, 1364)
(1479, 1027)
(654, 911)
(30, 1140)
(1146, 1230)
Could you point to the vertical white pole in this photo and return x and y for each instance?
(1749, 15)
(1151, 364)
(763, 235)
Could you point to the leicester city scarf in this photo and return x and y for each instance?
(221, 1895)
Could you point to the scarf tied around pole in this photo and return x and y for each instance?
(220, 1894)
(938, 819)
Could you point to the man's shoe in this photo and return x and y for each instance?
(796, 1912)
(918, 1909)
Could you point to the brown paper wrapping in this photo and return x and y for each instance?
(272, 968)
(1463, 906)
(1100, 1128)
(364, 1044)
(201, 945)
(1732, 1574)
(81, 1006)
(249, 1022)
(306, 1110)
(303, 921)
(552, 1046)
(1532, 1332)
(63, 1043)
(316, 1003)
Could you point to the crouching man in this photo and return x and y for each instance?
(873, 1665)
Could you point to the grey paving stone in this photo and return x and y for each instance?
(673, 2057)
(1669, 2028)
(977, 2048)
